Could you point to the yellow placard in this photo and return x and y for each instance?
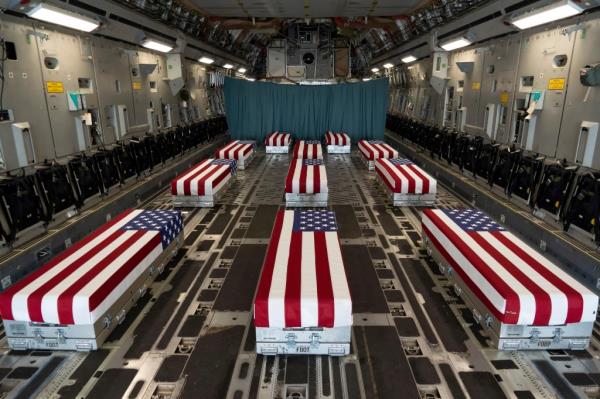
(137, 86)
(476, 85)
(55, 87)
(556, 84)
(504, 97)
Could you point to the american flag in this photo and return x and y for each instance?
(337, 138)
(303, 282)
(205, 178)
(80, 284)
(375, 149)
(401, 161)
(168, 223)
(308, 149)
(232, 163)
(278, 139)
(515, 282)
(403, 176)
(315, 221)
(306, 176)
(237, 149)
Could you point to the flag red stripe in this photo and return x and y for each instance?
(34, 300)
(412, 184)
(109, 285)
(261, 304)
(574, 297)
(512, 308)
(289, 180)
(303, 177)
(397, 185)
(293, 285)
(222, 175)
(6, 297)
(180, 175)
(543, 303)
(367, 150)
(424, 179)
(324, 284)
(222, 152)
(187, 184)
(64, 302)
(474, 288)
(317, 178)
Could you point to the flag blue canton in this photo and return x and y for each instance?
(401, 161)
(312, 142)
(313, 162)
(376, 142)
(472, 220)
(314, 221)
(168, 223)
(231, 162)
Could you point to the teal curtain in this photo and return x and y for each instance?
(254, 109)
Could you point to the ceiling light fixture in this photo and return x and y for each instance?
(55, 15)
(227, 66)
(552, 12)
(366, 79)
(388, 65)
(206, 60)
(374, 70)
(156, 45)
(242, 70)
(456, 43)
(408, 59)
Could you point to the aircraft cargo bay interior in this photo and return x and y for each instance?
(284, 199)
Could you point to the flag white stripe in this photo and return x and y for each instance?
(558, 299)
(495, 298)
(323, 179)
(223, 153)
(310, 179)
(222, 182)
(390, 178)
(50, 299)
(417, 179)
(208, 184)
(309, 300)
(81, 309)
(19, 302)
(278, 281)
(296, 178)
(590, 300)
(195, 181)
(182, 179)
(526, 298)
(301, 150)
(339, 282)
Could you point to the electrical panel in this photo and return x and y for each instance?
(119, 120)
(22, 141)
(587, 145)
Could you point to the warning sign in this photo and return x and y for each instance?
(55, 87)
(504, 97)
(556, 84)
(137, 86)
(476, 85)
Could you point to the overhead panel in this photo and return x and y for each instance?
(302, 8)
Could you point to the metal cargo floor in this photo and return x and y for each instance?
(192, 335)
